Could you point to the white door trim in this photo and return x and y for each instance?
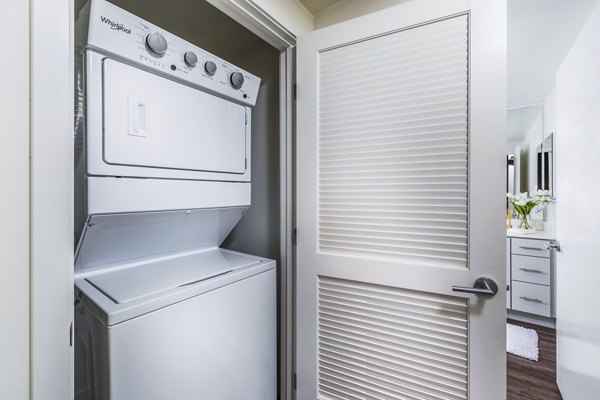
(286, 365)
(258, 21)
(51, 210)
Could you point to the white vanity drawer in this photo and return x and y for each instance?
(531, 298)
(531, 269)
(531, 247)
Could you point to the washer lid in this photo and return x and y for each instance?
(133, 290)
(109, 241)
(149, 279)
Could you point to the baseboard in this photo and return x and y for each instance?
(532, 319)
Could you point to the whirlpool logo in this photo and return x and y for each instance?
(115, 25)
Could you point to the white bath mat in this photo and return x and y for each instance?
(522, 342)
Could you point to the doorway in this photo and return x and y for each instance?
(541, 38)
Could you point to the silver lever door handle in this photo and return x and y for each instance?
(482, 286)
(552, 246)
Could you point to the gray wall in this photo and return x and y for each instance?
(258, 232)
(202, 24)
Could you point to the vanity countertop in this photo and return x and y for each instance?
(542, 235)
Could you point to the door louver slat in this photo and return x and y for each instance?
(393, 146)
(378, 342)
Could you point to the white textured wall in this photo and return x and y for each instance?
(578, 215)
(14, 204)
(550, 113)
(349, 9)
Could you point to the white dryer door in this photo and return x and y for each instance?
(150, 121)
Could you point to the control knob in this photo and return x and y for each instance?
(156, 43)
(237, 80)
(210, 67)
(190, 58)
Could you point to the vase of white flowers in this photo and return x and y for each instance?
(524, 205)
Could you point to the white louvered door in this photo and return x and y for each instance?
(400, 152)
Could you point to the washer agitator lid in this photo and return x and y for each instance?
(114, 239)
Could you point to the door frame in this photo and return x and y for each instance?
(51, 201)
(51, 185)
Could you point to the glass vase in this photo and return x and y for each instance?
(524, 222)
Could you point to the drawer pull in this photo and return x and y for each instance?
(531, 248)
(535, 271)
(531, 300)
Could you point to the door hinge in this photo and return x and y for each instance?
(246, 118)
(71, 333)
(295, 91)
(295, 381)
(294, 236)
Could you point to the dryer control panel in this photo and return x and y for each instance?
(125, 36)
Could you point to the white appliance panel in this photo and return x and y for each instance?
(119, 33)
(222, 352)
(150, 121)
(217, 345)
(109, 195)
(97, 166)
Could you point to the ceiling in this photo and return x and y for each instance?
(316, 6)
(540, 33)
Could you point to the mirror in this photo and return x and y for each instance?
(545, 164)
(525, 133)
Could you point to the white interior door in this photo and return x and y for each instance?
(400, 182)
(577, 187)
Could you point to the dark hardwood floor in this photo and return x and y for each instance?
(529, 380)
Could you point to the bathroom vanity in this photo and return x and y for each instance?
(531, 274)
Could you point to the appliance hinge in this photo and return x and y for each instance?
(295, 381)
(246, 118)
(295, 91)
(71, 333)
(294, 236)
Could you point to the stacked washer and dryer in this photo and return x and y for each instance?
(163, 172)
